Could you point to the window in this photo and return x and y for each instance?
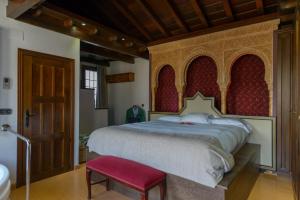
(93, 78)
(89, 79)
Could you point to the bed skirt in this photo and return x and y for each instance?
(236, 185)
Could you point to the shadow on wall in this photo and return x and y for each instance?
(90, 118)
(111, 119)
(8, 155)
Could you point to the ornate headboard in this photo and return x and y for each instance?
(216, 64)
(264, 127)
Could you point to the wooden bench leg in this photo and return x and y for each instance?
(144, 196)
(88, 180)
(163, 189)
(107, 184)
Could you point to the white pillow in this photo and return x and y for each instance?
(201, 118)
(233, 122)
(176, 119)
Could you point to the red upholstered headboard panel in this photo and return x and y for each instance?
(248, 92)
(166, 98)
(202, 76)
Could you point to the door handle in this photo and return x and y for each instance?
(27, 118)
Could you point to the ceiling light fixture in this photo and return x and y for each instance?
(83, 24)
(122, 38)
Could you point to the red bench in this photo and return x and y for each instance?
(135, 175)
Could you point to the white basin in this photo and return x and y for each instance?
(4, 183)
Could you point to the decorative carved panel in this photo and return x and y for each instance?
(224, 47)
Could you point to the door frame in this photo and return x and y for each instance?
(20, 119)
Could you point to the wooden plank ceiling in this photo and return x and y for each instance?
(128, 26)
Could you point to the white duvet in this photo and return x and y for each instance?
(200, 153)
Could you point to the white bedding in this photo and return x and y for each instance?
(198, 152)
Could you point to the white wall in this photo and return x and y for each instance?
(14, 35)
(122, 96)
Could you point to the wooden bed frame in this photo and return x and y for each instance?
(235, 185)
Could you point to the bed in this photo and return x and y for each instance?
(200, 159)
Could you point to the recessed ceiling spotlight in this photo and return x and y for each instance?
(83, 24)
(122, 38)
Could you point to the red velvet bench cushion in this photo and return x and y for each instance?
(133, 174)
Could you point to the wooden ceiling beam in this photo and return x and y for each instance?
(96, 50)
(260, 6)
(223, 27)
(289, 4)
(125, 12)
(287, 18)
(15, 8)
(17, 1)
(54, 18)
(109, 16)
(177, 15)
(149, 11)
(197, 8)
(84, 59)
(228, 9)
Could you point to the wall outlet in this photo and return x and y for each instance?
(6, 83)
(5, 111)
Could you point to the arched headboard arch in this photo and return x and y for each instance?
(268, 65)
(201, 75)
(166, 95)
(246, 51)
(248, 92)
(197, 52)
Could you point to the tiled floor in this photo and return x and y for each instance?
(72, 186)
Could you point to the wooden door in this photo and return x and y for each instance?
(285, 60)
(45, 114)
(297, 88)
(296, 111)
